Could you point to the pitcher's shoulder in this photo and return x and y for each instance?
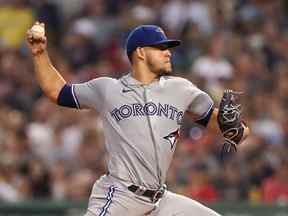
(176, 80)
(104, 80)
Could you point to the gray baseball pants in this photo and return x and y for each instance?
(110, 197)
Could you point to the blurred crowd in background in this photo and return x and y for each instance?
(50, 152)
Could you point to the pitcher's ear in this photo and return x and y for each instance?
(140, 53)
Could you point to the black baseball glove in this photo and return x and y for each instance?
(229, 121)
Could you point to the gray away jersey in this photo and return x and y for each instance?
(141, 122)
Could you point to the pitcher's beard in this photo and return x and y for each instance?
(160, 71)
(164, 72)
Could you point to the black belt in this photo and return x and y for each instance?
(154, 195)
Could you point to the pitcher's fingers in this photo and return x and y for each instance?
(30, 40)
(29, 35)
(43, 39)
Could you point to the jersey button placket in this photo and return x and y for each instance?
(147, 99)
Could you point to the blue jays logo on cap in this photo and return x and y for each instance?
(148, 35)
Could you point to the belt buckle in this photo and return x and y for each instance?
(158, 194)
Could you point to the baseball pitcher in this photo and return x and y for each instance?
(142, 113)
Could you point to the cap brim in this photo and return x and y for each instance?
(168, 43)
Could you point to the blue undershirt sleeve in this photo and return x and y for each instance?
(205, 120)
(67, 97)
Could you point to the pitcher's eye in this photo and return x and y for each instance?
(161, 46)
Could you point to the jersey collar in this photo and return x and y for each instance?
(129, 80)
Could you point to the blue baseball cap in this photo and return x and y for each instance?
(148, 35)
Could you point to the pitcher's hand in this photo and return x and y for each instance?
(36, 38)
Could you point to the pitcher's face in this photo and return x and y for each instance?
(158, 59)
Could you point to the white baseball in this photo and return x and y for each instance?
(38, 31)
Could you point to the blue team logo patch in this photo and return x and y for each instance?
(173, 137)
